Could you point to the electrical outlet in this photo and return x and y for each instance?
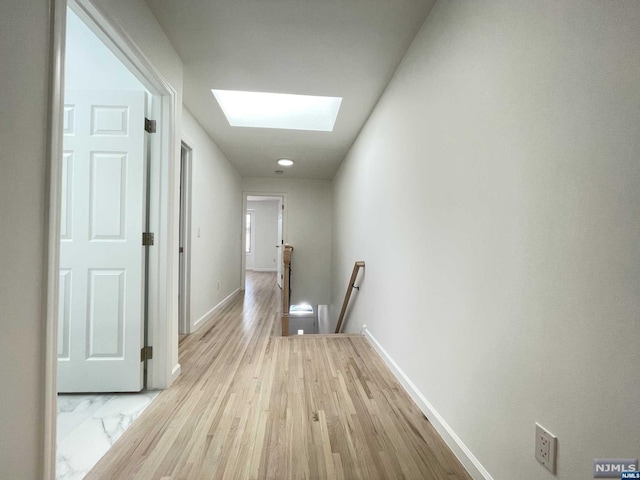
(546, 443)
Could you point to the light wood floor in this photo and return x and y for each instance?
(251, 405)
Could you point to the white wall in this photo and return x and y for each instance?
(89, 64)
(265, 218)
(24, 47)
(494, 196)
(24, 51)
(216, 207)
(308, 214)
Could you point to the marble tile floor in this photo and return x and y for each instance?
(88, 425)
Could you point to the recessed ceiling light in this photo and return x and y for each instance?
(278, 110)
(285, 162)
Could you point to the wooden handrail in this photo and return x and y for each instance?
(347, 296)
(286, 289)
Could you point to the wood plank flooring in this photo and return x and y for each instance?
(253, 405)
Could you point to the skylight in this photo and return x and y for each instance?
(278, 110)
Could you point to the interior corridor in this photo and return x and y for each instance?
(252, 404)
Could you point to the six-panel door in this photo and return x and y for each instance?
(101, 253)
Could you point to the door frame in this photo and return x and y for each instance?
(184, 225)
(243, 273)
(162, 206)
(280, 254)
(253, 239)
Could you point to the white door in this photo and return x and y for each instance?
(280, 243)
(100, 330)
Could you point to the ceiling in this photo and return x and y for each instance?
(341, 48)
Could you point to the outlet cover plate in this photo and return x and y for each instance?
(546, 444)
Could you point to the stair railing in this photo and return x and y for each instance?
(347, 296)
(286, 288)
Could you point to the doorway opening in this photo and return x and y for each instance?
(263, 234)
(103, 266)
(105, 198)
(103, 213)
(184, 249)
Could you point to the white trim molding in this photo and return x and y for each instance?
(207, 316)
(58, 19)
(459, 449)
(175, 373)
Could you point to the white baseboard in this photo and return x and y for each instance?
(175, 373)
(210, 313)
(265, 270)
(459, 449)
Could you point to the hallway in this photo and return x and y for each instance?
(250, 404)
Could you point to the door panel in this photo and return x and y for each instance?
(101, 253)
(66, 210)
(64, 305)
(105, 321)
(108, 195)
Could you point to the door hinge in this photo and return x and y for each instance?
(149, 125)
(283, 206)
(146, 353)
(147, 239)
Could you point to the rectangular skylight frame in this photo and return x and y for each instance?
(278, 110)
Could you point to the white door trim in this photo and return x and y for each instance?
(243, 272)
(53, 184)
(163, 256)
